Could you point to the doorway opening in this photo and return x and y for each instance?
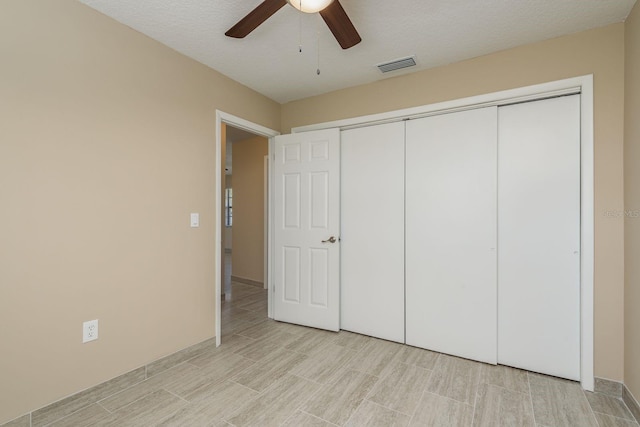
(244, 294)
(242, 282)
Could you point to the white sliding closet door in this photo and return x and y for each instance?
(372, 220)
(539, 236)
(451, 233)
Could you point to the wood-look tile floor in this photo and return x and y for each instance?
(267, 373)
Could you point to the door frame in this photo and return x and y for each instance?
(266, 222)
(240, 123)
(582, 85)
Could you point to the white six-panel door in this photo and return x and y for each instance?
(372, 251)
(539, 236)
(306, 226)
(451, 233)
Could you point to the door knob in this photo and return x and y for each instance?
(330, 240)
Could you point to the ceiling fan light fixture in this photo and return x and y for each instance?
(310, 6)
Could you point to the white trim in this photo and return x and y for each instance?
(587, 225)
(269, 278)
(265, 224)
(240, 123)
(582, 85)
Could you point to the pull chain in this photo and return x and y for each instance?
(300, 32)
(318, 34)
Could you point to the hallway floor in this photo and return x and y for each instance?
(268, 373)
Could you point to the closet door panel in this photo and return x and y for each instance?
(451, 233)
(539, 236)
(372, 246)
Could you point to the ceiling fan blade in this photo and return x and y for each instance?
(340, 25)
(256, 17)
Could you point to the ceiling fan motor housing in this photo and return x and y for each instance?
(331, 11)
(310, 6)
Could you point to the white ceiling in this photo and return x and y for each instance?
(438, 32)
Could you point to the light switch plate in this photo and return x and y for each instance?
(195, 220)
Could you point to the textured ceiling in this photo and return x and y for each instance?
(438, 32)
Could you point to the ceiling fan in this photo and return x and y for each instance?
(331, 11)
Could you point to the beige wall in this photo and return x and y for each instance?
(599, 52)
(632, 201)
(107, 143)
(247, 257)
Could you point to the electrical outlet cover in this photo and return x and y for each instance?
(90, 330)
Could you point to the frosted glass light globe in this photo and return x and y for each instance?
(310, 6)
